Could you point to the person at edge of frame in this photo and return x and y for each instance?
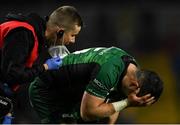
(25, 39)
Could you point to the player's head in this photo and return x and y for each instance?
(149, 82)
(63, 25)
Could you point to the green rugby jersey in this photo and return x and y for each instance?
(97, 71)
(110, 67)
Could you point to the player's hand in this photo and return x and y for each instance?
(135, 101)
(54, 63)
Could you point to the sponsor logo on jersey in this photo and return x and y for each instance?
(104, 51)
(99, 84)
(66, 115)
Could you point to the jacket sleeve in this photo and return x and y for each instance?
(17, 47)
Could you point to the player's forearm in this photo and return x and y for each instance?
(113, 118)
(104, 110)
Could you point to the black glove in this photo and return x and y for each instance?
(6, 106)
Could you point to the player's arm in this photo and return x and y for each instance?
(113, 118)
(93, 107)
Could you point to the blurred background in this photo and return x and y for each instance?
(147, 29)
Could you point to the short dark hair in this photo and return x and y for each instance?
(150, 82)
(65, 16)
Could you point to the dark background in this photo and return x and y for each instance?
(147, 29)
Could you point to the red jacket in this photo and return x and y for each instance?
(6, 27)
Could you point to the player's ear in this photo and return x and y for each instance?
(135, 85)
(60, 33)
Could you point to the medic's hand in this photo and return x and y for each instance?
(7, 120)
(54, 63)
